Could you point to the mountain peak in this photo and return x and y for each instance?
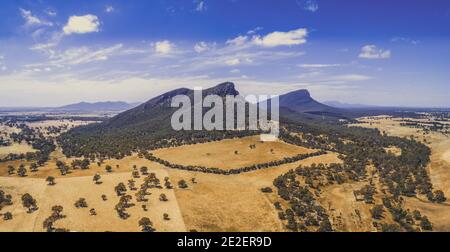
(301, 93)
(223, 89)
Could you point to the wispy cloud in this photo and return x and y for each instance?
(32, 20)
(77, 56)
(318, 65)
(308, 5)
(109, 9)
(406, 40)
(200, 6)
(202, 46)
(2, 64)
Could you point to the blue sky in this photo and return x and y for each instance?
(371, 52)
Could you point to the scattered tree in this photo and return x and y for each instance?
(22, 171)
(81, 203)
(29, 202)
(50, 180)
(97, 178)
(7, 216)
(108, 169)
(163, 197)
(11, 170)
(146, 224)
(120, 189)
(182, 184)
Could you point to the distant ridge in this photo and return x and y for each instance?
(77, 107)
(96, 106)
(338, 104)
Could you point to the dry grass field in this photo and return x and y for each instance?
(68, 190)
(210, 203)
(223, 154)
(16, 148)
(234, 203)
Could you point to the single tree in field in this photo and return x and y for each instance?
(22, 171)
(194, 181)
(120, 189)
(132, 185)
(135, 174)
(108, 169)
(97, 178)
(33, 167)
(11, 170)
(163, 197)
(166, 217)
(57, 212)
(144, 170)
(182, 184)
(92, 212)
(81, 203)
(104, 198)
(146, 224)
(7, 216)
(140, 196)
(50, 180)
(29, 202)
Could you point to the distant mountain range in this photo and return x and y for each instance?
(97, 106)
(338, 104)
(117, 106)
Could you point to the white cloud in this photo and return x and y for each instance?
(318, 65)
(109, 8)
(238, 41)
(201, 6)
(294, 37)
(31, 20)
(235, 71)
(163, 47)
(82, 24)
(233, 62)
(372, 52)
(203, 47)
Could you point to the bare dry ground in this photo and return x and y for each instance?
(439, 168)
(235, 203)
(16, 148)
(222, 154)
